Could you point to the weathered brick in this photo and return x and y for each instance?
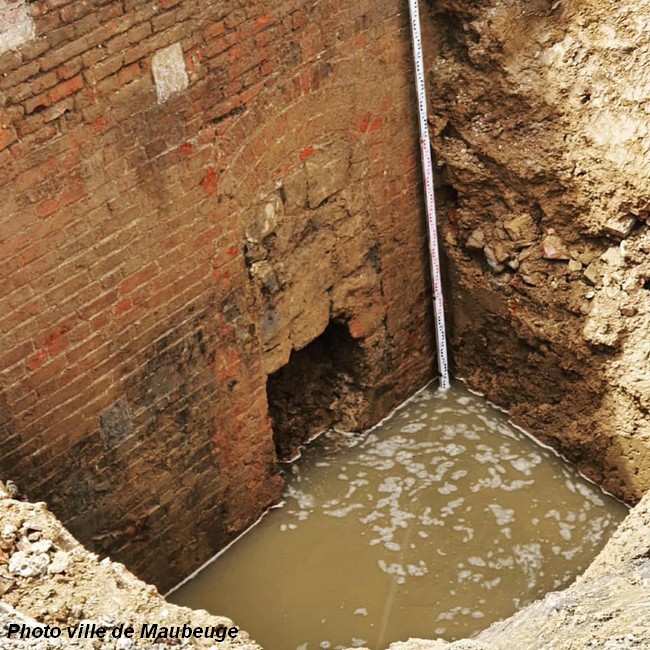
(71, 286)
(133, 35)
(20, 74)
(129, 5)
(102, 69)
(137, 279)
(33, 49)
(36, 361)
(263, 22)
(34, 86)
(112, 10)
(48, 207)
(56, 341)
(47, 23)
(76, 10)
(166, 20)
(37, 103)
(7, 137)
(10, 60)
(127, 223)
(59, 109)
(65, 52)
(90, 57)
(35, 175)
(129, 73)
(17, 354)
(66, 88)
(215, 30)
(168, 4)
(57, 4)
(69, 69)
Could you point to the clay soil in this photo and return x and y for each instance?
(539, 115)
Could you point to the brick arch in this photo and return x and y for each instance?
(135, 354)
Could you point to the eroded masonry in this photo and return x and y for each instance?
(193, 196)
(212, 245)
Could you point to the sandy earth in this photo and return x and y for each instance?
(48, 577)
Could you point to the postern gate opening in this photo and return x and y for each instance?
(320, 387)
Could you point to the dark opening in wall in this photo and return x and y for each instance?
(318, 388)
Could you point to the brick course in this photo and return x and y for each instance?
(131, 242)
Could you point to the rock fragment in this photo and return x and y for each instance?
(640, 209)
(12, 489)
(59, 563)
(492, 260)
(554, 249)
(28, 565)
(620, 227)
(533, 279)
(521, 229)
(8, 536)
(644, 212)
(593, 273)
(476, 240)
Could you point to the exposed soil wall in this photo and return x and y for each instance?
(191, 192)
(539, 112)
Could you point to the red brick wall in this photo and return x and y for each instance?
(134, 318)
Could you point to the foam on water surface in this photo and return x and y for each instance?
(438, 522)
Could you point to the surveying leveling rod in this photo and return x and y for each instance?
(427, 171)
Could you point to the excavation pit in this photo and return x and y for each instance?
(437, 522)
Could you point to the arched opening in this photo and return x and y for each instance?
(318, 388)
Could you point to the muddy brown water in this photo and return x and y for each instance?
(436, 523)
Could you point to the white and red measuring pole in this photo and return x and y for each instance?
(427, 171)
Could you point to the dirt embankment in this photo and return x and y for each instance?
(539, 114)
(48, 579)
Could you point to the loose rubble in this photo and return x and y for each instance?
(48, 578)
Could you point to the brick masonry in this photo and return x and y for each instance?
(161, 255)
